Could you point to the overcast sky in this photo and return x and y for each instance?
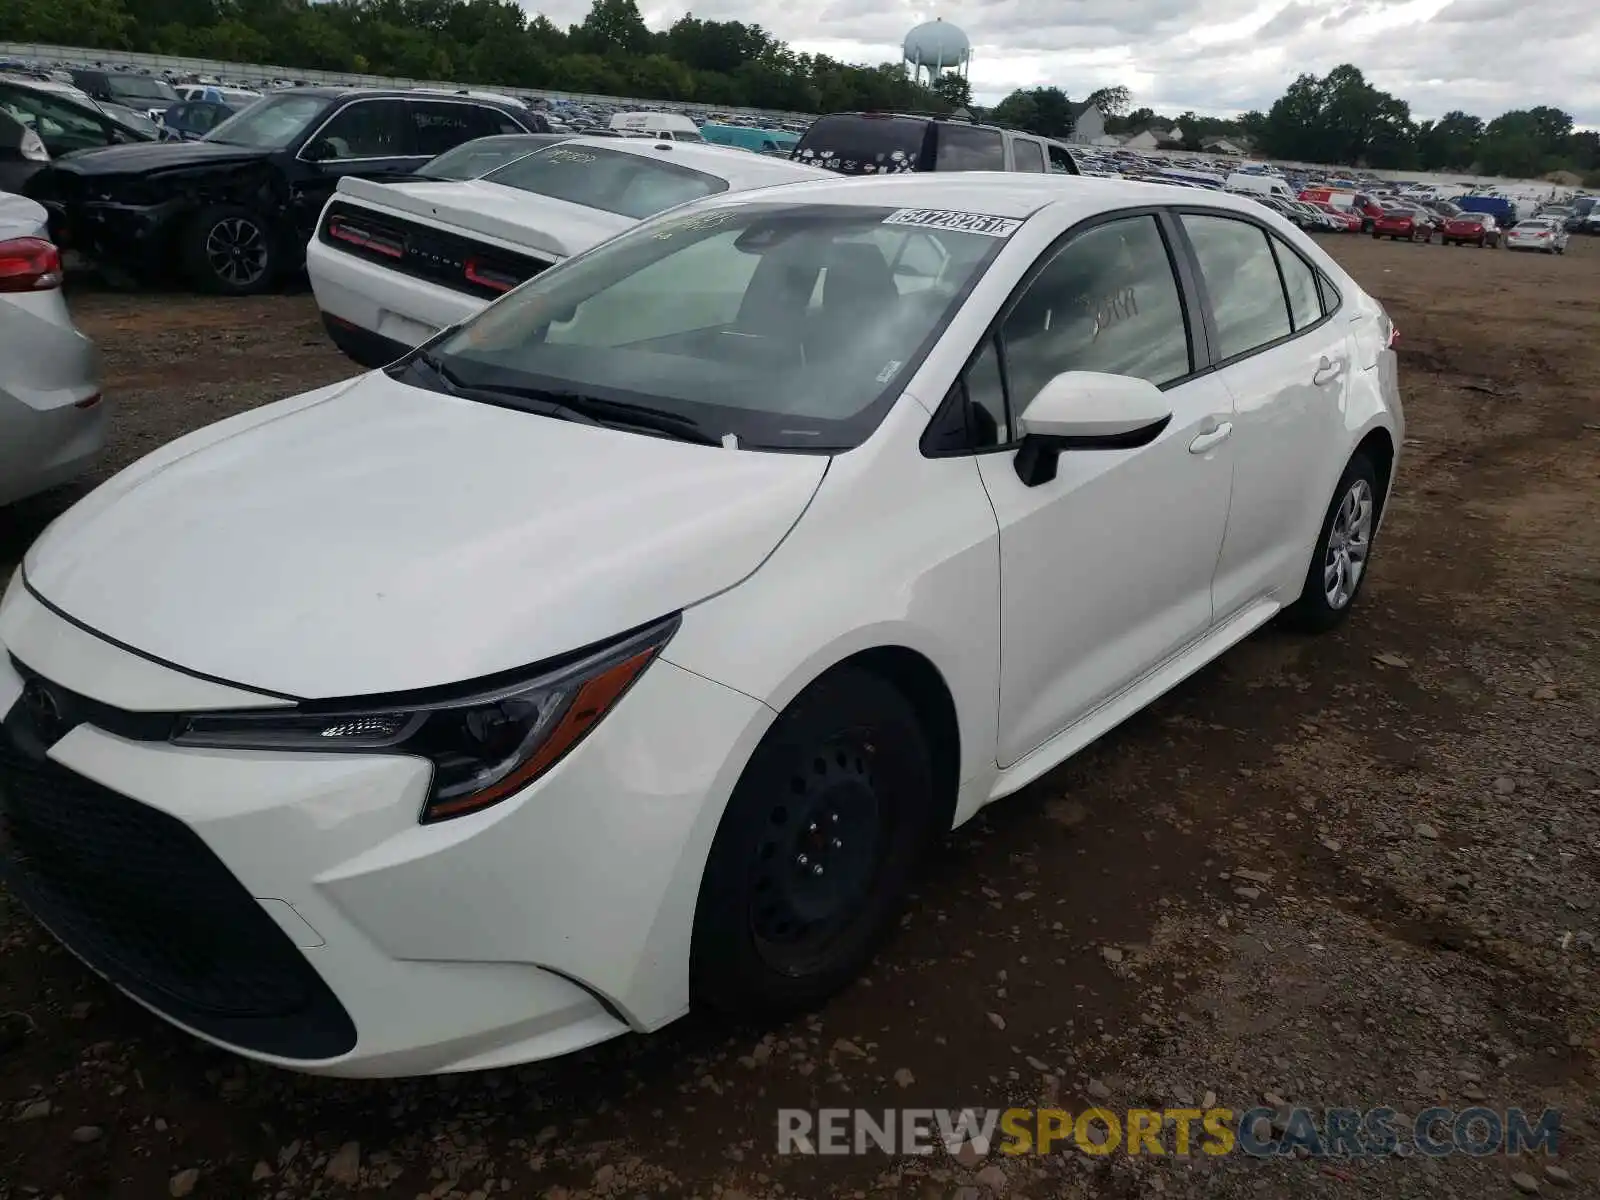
(1216, 56)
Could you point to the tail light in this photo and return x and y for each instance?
(347, 231)
(486, 276)
(1391, 332)
(29, 264)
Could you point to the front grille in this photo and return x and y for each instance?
(450, 259)
(138, 895)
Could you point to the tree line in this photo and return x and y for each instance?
(611, 52)
(1338, 119)
(1341, 119)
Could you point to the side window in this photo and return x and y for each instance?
(969, 148)
(369, 129)
(1108, 301)
(61, 126)
(1029, 156)
(179, 117)
(444, 125)
(1060, 160)
(1242, 281)
(1300, 282)
(986, 400)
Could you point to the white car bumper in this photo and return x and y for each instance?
(290, 907)
(387, 304)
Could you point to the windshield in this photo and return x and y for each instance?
(269, 124)
(614, 181)
(788, 326)
(473, 159)
(140, 87)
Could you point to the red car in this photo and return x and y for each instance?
(1477, 228)
(1350, 219)
(1409, 223)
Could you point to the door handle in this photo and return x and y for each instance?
(1327, 371)
(1212, 438)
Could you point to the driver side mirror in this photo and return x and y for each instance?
(320, 150)
(1087, 410)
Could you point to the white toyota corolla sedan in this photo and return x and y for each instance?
(625, 647)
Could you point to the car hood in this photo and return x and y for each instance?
(541, 223)
(145, 157)
(376, 537)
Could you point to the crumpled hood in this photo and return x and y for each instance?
(143, 157)
(376, 537)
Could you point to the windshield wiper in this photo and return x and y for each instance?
(452, 384)
(569, 406)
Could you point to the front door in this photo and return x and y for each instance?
(365, 138)
(1105, 570)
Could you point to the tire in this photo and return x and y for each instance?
(1357, 491)
(230, 251)
(843, 778)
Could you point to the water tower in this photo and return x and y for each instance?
(935, 47)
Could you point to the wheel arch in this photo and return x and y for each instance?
(1378, 446)
(915, 676)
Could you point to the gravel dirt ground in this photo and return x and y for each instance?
(1358, 870)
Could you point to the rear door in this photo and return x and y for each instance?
(1287, 364)
(958, 147)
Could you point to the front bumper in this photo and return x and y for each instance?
(393, 308)
(290, 907)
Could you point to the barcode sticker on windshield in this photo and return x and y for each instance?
(960, 222)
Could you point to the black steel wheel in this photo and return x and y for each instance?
(816, 849)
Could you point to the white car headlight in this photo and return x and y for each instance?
(485, 743)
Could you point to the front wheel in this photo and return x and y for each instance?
(1344, 546)
(229, 250)
(816, 849)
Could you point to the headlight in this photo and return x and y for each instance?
(484, 745)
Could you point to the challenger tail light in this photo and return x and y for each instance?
(29, 264)
(351, 233)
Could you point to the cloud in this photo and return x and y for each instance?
(1218, 56)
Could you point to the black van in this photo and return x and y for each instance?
(871, 143)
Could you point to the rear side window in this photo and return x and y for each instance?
(968, 148)
(1299, 284)
(614, 181)
(1061, 161)
(443, 125)
(1241, 279)
(1027, 155)
(859, 145)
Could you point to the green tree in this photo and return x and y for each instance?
(1112, 101)
(954, 90)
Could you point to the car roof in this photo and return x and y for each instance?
(728, 162)
(1008, 194)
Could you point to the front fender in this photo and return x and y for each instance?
(895, 550)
